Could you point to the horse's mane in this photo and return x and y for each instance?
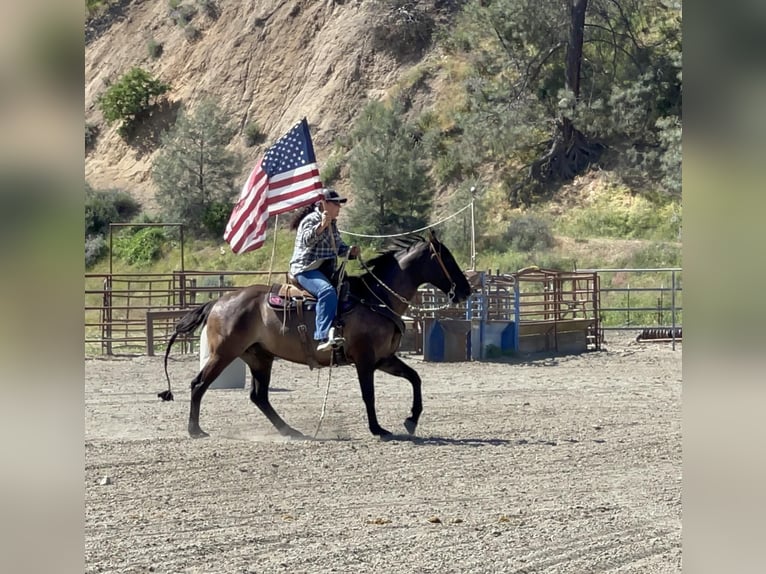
(383, 260)
(393, 248)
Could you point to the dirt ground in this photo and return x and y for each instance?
(559, 465)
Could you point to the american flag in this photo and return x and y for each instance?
(285, 178)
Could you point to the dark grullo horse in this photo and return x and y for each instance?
(243, 324)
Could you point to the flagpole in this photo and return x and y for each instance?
(473, 231)
(273, 248)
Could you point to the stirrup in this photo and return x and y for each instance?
(330, 344)
(332, 341)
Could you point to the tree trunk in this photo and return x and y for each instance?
(571, 152)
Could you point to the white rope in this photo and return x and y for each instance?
(326, 394)
(409, 232)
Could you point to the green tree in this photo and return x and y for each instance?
(130, 98)
(555, 84)
(194, 172)
(388, 172)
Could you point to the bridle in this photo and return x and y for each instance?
(435, 253)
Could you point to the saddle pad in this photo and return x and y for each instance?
(287, 296)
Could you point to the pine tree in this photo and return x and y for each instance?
(388, 173)
(195, 173)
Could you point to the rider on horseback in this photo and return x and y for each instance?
(317, 245)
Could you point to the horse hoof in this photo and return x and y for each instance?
(198, 433)
(290, 432)
(410, 425)
(383, 434)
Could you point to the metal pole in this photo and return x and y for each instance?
(473, 230)
(274, 247)
(673, 308)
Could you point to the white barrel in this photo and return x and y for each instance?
(232, 377)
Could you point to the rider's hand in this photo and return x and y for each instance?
(324, 224)
(354, 251)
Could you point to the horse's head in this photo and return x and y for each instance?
(438, 267)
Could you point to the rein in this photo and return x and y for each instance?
(450, 295)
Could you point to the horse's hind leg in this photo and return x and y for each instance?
(260, 364)
(393, 365)
(209, 373)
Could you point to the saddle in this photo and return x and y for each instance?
(291, 297)
(286, 297)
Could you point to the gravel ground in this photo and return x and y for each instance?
(558, 465)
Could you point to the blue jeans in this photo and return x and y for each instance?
(316, 283)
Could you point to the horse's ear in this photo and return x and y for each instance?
(432, 235)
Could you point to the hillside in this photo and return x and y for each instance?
(272, 62)
(268, 61)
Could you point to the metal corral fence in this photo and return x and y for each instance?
(648, 301)
(530, 310)
(129, 313)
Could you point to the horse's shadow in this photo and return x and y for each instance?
(447, 441)
(427, 441)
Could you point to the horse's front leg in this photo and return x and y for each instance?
(393, 365)
(366, 373)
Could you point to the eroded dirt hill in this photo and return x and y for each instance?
(268, 61)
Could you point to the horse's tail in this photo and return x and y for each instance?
(187, 324)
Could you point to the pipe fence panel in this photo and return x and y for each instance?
(124, 310)
(641, 299)
(135, 313)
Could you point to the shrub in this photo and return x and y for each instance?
(528, 233)
(91, 135)
(216, 217)
(132, 96)
(95, 249)
(253, 134)
(182, 14)
(402, 27)
(331, 170)
(192, 34)
(209, 8)
(154, 48)
(107, 206)
(141, 247)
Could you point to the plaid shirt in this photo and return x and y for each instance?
(311, 248)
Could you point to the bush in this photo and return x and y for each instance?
(253, 134)
(182, 14)
(105, 207)
(132, 96)
(402, 27)
(95, 249)
(192, 34)
(216, 217)
(154, 48)
(141, 247)
(91, 134)
(331, 170)
(528, 233)
(209, 8)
